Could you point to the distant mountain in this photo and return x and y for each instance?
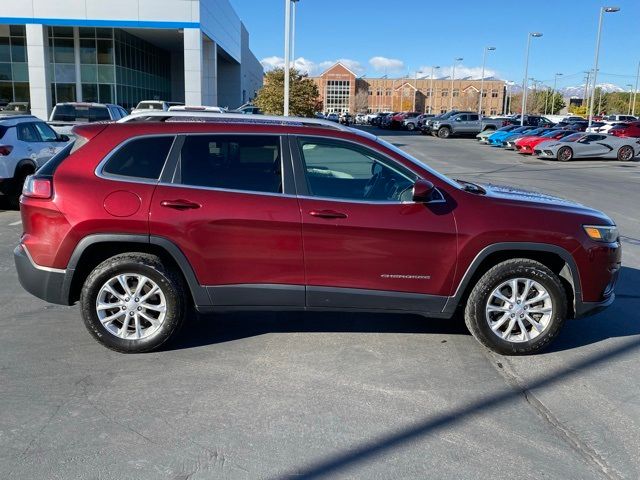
(575, 91)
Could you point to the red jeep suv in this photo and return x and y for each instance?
(139, 221)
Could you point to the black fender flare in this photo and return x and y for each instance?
(572, 276)
(198, 292)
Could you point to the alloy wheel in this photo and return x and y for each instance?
(519, 310)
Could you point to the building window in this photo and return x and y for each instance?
(338, 93)
(445, 93)
(370, 92)
(388, 92)
(428, 93)
(494, 93)
(456, 93)
(484, 94)
(494, 111)
(14, 73)
(443, 110)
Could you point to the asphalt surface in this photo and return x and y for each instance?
(305, 396)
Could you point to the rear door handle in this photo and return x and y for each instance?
(327, 214)
(180, 204)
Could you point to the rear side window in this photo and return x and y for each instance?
(26, 133)
(244, 162)
(140, 158)
(46, 132)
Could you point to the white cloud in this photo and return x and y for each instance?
(309, 66)
(387, 65)
(461, 72)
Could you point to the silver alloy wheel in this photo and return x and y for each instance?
(625, 153)
(519, 310)
(131, 306)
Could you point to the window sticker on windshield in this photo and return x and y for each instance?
(214, 149)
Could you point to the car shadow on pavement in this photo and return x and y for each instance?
(620, 320)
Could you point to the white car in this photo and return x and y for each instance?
(154, 105)
(334, 117)
(589, 145)
(604, 128)
(196, 108)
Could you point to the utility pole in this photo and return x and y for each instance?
(635, 91)
(585, 97)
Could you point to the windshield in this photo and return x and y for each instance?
(551, 133)
(80, 113)
(572, 137)
(149, 106)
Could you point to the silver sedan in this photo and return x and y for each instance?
(589, 145)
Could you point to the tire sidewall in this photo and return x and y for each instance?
(621, 150)
(476, 308)
(173, 315)
(560, 156)
(444, 132)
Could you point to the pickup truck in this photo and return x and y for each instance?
(463, 124)
(65, 116)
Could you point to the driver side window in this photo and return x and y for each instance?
(342, 170)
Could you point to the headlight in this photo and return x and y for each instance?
(602, 233)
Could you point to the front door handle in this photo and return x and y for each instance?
(327, 214)
(180, 204)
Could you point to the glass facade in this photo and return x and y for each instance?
(337, 96)
(14, 73)
(113, 67)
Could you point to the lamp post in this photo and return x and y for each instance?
(553, 93)
(293, 31)
(635, 91)
(484, 58)
(630, 97)
(433, 69)
(453, 75)
(526, 75)
(288, 48)
(603, 10)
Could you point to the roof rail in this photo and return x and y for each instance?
(238, 118)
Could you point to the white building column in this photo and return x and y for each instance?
(39, 75)
(200, 70)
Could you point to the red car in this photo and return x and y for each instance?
(627, 130)
(138, 222)
(526, 145)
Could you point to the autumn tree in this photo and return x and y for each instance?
(303, 94)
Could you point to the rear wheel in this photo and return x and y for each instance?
(625, 153)
(444, 132)
(133, 303)
(411, 127)
(565, 154)
(517, 307)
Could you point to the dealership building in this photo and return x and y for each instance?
(125, 51)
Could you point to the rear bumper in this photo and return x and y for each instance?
(49, 284)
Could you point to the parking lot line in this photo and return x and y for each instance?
(13, 224)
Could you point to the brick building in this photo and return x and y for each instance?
(341, 90)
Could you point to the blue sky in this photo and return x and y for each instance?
(407, 35)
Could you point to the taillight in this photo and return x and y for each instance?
(5, 150)
(37, 187)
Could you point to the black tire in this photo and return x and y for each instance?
(411, 126)
(625, 153)
(170, 283)
(565, 154)
(475, 310)
(444, 132)
(15, 190)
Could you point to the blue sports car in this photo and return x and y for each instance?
(498, 138)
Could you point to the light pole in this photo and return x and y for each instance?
(288, 49)
(526, 75)
(630, 97)
(484, 58)
(293, 31)
(635, 91)
(553, 93)
(453, 75)
(433, 69)
(603, 10)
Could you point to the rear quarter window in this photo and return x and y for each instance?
(139, 158)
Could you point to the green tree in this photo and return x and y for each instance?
(303, 94)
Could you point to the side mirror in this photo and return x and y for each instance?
(423, 191)
(63, 138)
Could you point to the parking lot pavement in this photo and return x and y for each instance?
(295, 395)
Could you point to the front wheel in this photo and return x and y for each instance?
(444, 132)
(565, 154)
(133, 303)
(411, 127)
(625, 153)
(517, 307)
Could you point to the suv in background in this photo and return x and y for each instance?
(26, 143)
(620, 118)
(463, 124)
(154, 105)
(150, 218)
(532, 121)
(66, 115)
(626, 130)
(16, 108)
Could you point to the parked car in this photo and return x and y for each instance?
(152, 218)
(483, 137)
(531, 121)
(333, 117)
(361, 119)
(196, 108)
(427, 125)
(499, 136)
(527, 145)
(387, 120)
(589, 145)
(413, 122)
(66, 115)
(619, 118)
(377, 118)
(154, 105)
(398, 119)
(603, 127)
(247, 109)
(626, 130)
(510, 142)
(346, 118)
(16, 108)
(26, 143)
(463, 124)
